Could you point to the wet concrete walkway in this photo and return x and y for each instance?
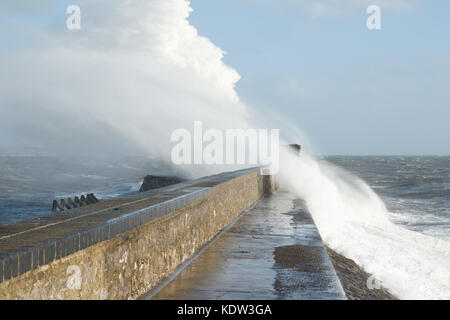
(273, 252)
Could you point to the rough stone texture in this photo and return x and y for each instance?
(354, 280)
(270, 185)
(131, 263)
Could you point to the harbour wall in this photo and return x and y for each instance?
(121, 248)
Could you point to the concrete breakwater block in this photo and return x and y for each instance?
(68, 203)
(154, 182)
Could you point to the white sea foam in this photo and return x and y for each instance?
(136, 71)
(353, 220)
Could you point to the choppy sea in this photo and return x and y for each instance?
(415, 189)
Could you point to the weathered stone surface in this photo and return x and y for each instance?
(269, 183)
(354, 280)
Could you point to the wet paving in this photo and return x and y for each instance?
(274, 251)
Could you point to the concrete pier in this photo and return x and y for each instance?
(274, 251)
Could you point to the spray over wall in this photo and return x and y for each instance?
(136, 71)
(353, 221)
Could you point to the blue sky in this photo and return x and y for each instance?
(350, 90)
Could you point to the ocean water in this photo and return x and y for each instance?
(391, 215)
(29, 184)
(415, 189)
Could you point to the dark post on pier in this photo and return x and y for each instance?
(296, 147)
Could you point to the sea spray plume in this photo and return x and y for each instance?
(353, 221)
(136, 71)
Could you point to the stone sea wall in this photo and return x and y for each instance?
(120, 249)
